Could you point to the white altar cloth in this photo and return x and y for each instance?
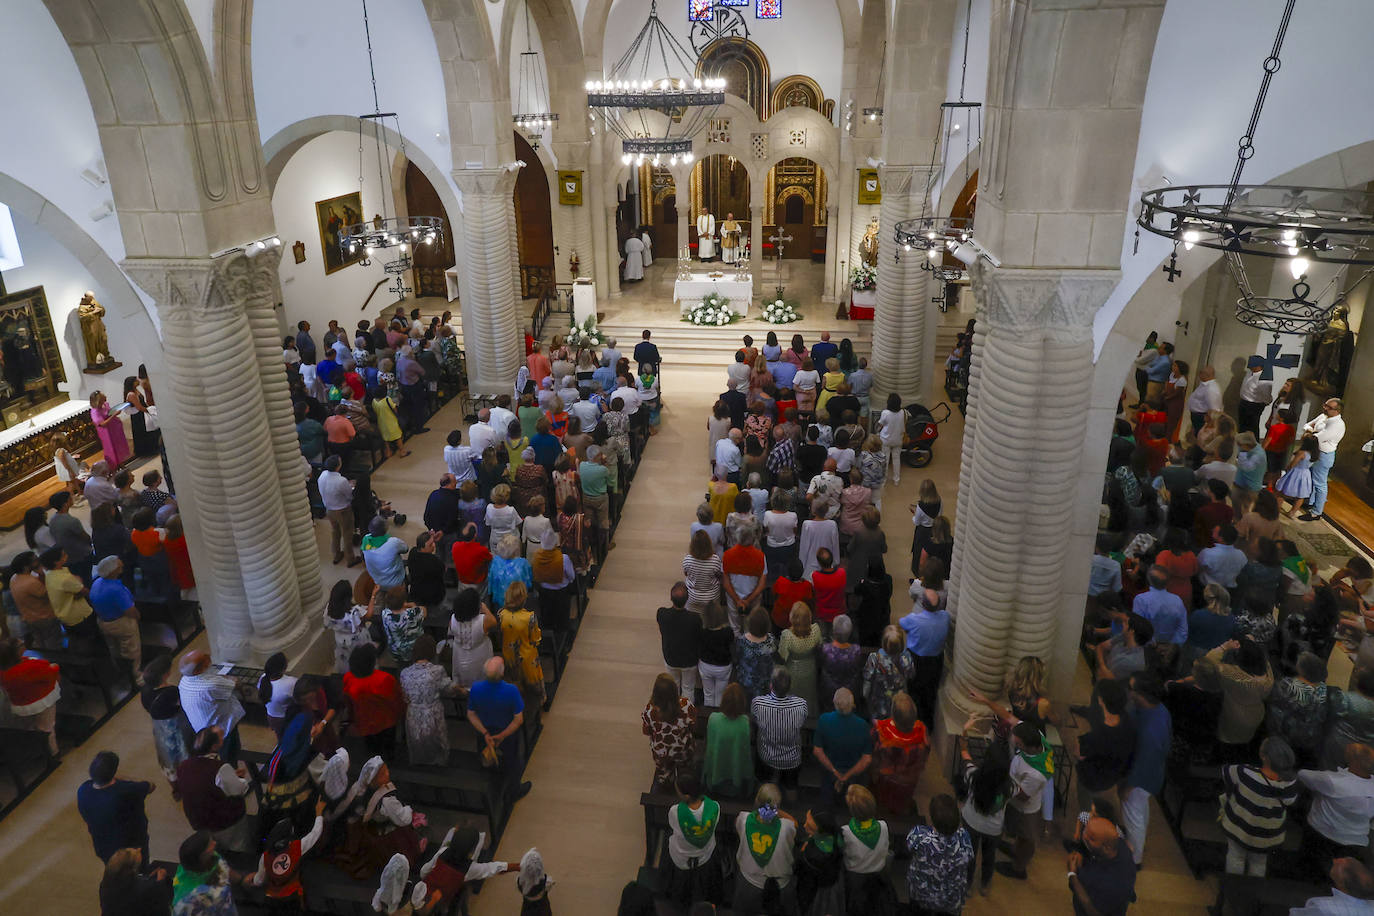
(689, 293)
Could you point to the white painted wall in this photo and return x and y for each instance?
(49, 132)
(310, 59)
(325, 167)
(808, 39)
(48, 263)
(975, 89)
(1198, 102)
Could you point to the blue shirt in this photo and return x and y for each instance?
(1250, 468)
(606, 376)
(325, 369)
(1104, 576)
(1158, 371)
(925, 631)
(1206, 630)
(547, 448)
(844, 738)
(496, 704)
(110, 598)
(385, 564)
(1220, 564)
(784, 373)
(1153, 733)
(114, 815)
(1166, 612)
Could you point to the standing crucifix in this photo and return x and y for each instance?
(779, 240)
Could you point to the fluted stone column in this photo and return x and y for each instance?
(1030, 389)
(832, 214)
(491, 315)
(756, 213)
(613, 252)
(600, 255)
(903, 326)
(230, 483)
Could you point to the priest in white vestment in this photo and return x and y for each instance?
(648, 246)
(729, 239)
(706, 236)
(634, 259)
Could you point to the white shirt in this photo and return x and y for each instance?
(858, 858)
(459, 461)
(1255, 389)
(1028, 781)
(1342, 805)
(336, 490)
(893, 426)
(500, 420)
(779, 866)
(1338, 904)
(1206, 396)
(282, 688)
(1328, 430)
(629, 395)
(727, 456)
(738, 374)
(1224, 471)
(208, 699)
(781, 528)
(480, 435)
(682, 852)
(587, 413)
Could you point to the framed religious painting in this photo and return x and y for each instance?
(334, 216)
(32, 366)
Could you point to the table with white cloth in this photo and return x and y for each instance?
(689, 293)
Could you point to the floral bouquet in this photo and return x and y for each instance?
(713, 310)
(863, 278)
(586, 335)
(781, 311)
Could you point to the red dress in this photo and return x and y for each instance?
(179, 559)
(786, 593)
(898, 761)
(1181, 568)
(377, 701)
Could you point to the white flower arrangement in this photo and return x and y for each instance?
(585, 335)
(714, 310)
(863, 278)
(781, 311)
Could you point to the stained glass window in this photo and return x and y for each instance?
(699, 10)
(768, 9)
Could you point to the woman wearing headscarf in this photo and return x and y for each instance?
(455, 864)
(378, 824)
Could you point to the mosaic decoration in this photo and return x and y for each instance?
(768, 9)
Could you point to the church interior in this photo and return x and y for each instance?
(1091, 273)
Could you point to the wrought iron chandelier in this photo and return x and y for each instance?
(532, 93)
(1302, 225)
(930, 232)
(657, 74)
(383, 231)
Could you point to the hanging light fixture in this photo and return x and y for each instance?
(657, 73)
(532, 93)
(1301, 225)
(961, 123)
(383, 231)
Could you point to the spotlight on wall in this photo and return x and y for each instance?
(103, 210)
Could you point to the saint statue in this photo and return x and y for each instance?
(868, 247)
(92, 315)
(729, 239)
(1332, 349)
(706, 236)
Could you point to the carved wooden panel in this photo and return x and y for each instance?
(29, 461)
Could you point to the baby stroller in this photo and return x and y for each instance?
(922, 429)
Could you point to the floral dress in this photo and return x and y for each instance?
(424, 684)
(520, 638)
(403, 627)
(349, 633)
(671, 743)
(760, 427)
(1297, 713)
(840, 667)
(566, 486)
(754, 664)
(393, 388)
(528, 483)
(572, 533)
(883, 679)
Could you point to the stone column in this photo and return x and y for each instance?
(491, 316)
(756, 214)
(577, 220)
(903, 328)
(595, 185)
(832, 215)
(1013, 590)
(612, 247)
(230, 485)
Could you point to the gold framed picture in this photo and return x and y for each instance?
(334, 216)
(570, 188)
(870, 188)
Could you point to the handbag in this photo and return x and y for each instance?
(150, 418)
(491, 757)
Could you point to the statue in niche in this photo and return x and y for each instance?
(1330, 352)
(868, 247)
(92, 316)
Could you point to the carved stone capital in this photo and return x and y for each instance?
(1024, 299)
(900, 182)
(485, 182)
(200, 288)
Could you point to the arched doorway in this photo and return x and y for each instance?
(720, 187)
(796, 206)
(533, 222)
(430, 260)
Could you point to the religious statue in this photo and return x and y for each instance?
(706, 236)
(868, 247)
(575, 265)
(92, 315)
(729, 239)
(1331, 352)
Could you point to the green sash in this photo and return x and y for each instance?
(698, 833)
(824, 842)
(1298, 567)
(373, 541)
(1043, 761)
(868, 832)
(762, 838)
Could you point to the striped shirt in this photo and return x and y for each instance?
(779, 721)
(1255, 808)
(703, 580)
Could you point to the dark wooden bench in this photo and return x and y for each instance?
(1239, 895)
(28, 760)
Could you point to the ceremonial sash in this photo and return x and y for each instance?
(1298, 567)
(1043, 761)
(824, 842)
(868, 832)
(762, 838)
(698, 833)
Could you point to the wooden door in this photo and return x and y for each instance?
(430, 260)
(796, 217)
(665, 228)
(533, 220)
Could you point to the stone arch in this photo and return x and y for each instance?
(178, 185)
(556, 21)
(797, 87)
(478, 95)
(794, 191)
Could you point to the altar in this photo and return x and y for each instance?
(689, 293)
